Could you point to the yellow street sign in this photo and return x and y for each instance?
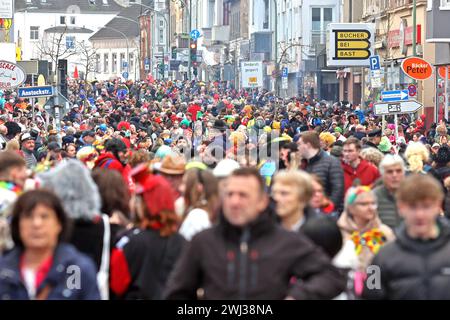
(353, 35)
(353, 54)
(358, 44)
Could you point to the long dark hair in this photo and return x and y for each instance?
(27, 202)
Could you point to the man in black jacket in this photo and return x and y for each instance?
(248, 256)
(326, 167)
(416, 266)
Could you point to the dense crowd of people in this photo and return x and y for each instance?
(193, 190)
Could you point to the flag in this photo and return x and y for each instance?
(75, 73)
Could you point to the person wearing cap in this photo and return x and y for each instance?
(223, 170)
(87, 139)
(27, 143)
(143, 258)
(374, 138)
(116, 158)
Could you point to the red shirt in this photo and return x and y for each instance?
(366, 172)
(41, 272)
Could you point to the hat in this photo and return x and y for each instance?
(165, 134)
(53, 146)
(225, 167)
(338, 129)
(157, 193)
(89, 133)
(173, 165)
(220, 125)
(443, 155)
(26, 136)
(385, 145)
(374, 133)
(435, 145)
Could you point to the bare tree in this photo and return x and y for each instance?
(88, 56)
(54, 47)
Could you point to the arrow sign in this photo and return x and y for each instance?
(395, 95)
(195, 34)
(401, 107)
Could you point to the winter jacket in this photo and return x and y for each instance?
(109, 161)
(258, 262)
(141, 263)
(413, 269)
(387, 207)
(61, 274)
(366, 172)
(331, 174)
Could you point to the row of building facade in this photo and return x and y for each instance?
(134, 39)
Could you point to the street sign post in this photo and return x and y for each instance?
(395, 95)
(375, 63)
(147, 64)
(125, 75)
(400, 107)
(195, 34)
(412, 90)
(284, 76)
(350, 44)
(35, 92)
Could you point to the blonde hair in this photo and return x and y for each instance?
(416, 154)
(298, 179)
(372, 155)
(327, 138)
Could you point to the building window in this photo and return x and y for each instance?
(34, 33)
(106, 63)
(97, 63)
(161, 23)
(122, 60)
(445, 4)
(114, 63)
(226, 13)
(72, 20)
(62, 20)
(70, 42)
(266, 15)
(320, 18)
(131, 61)
(161, 36)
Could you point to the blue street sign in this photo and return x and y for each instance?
(125, 64)
(395, 95)
(375, 63)
(195, 34)
(125, 75)
(285, 72)
(34, 92)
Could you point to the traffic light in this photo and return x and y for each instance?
(195, 71)
(193, 50)
(161, 68)
(62, 70)
(174, 53)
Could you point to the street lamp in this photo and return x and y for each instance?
(128, 55)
